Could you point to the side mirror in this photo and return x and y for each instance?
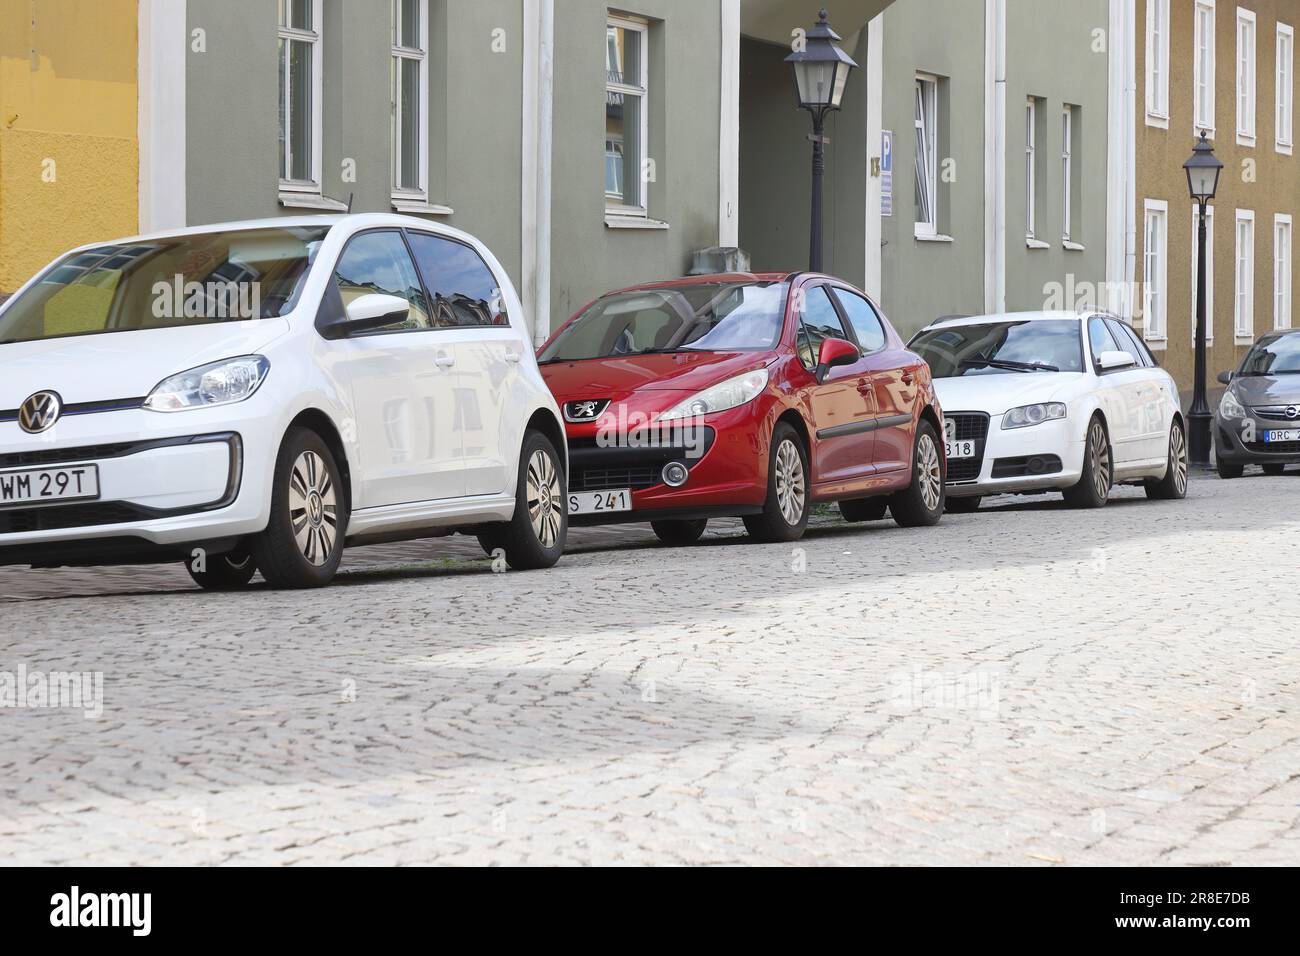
(1225, 378)
(1110, 361)
(374, 311)
(835, 352)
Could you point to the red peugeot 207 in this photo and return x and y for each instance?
(748, 395)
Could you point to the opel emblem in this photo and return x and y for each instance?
(1292, 411)
(39, 412)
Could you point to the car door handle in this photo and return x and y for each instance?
(907, 378)
(443, 360)
(864, 386)
(512, 356)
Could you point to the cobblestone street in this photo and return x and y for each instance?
(1026, 685)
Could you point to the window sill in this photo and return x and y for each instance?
(932, 237)
(1037, 244)
(1246, 139)
(1283, 148)
(1156, 343)
(316, 201)
(1243, 340)
(1071, 246)
(633, 222)
(421, 207)
(1157, 120)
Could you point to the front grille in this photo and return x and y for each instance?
(59, 517)
(1027, 467)
(64, 455)
(1275, 447)
(608, 479)
(1277, 413)
(968, 426)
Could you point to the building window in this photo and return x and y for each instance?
(626, 116)
(1067, 171)
(1245, 77)
(410, 84)
(1155, 267)
(1282, 249)
(1157, 63)
(926, 165)
(300, 95)
(1243, 311)
(1209, 271)
(1031, 165)
(1203, 69)
(1285, 88)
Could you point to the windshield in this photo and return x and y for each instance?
(165, 283)
(703, 317)
(1002, 348)
(1273, 355)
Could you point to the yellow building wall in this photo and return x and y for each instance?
(69, 151)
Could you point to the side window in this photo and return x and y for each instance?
(1100, 338)
(377, 262)
(462, 286)
(864, 319)
(819, 321)
(1128, 343)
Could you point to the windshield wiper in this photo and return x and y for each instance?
(980, 362)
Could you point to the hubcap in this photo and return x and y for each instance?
(1178, 459)
(790, 484)
(313, 508)
(544, 498)
(929, 473)
(1100, 460)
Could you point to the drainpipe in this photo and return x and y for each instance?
(538, 99)
(995, 156)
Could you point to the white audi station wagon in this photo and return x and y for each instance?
(257, 395)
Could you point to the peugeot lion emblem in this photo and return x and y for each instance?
(39, 412)
(585, 411)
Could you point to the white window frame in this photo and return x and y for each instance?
(1068, 114)
(1031, 167)
(1243, 300)
(1157, 64)
(641, 29)
(1247, 62)
(1283, 270)
(1284, 81)
(313, 36)
(419, 194)
(1155, 320)
(1203, 116)
(1209, 272)
(925, 92)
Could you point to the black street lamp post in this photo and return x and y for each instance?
(821, 71)
(1202, 182)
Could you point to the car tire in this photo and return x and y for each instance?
(1273, 470)
(920, 505)
(303, 542)
(1173, 486)
(1093, 487)
(864, 509)
(679, 533)
(1228, 470)
(535, 536)
(789, 495)
(224, 572)
(963, 506)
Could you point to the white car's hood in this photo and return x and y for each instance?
(117, 365)
(995, 394)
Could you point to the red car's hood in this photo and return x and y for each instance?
(618, 378)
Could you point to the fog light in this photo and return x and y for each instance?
(675, 474)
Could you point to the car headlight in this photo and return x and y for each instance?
(1230, 407)
(221, 383)
(1027, 415)
(729, 394)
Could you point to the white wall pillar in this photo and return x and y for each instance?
(729, 128)
(873, 282)
(538, 122)
(162, 50)
(995, 156)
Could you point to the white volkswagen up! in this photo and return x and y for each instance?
(257, 395)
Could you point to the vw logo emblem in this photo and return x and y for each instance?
(1292, 411)
(39, 412)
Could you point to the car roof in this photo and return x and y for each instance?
(1055, 316)
(354, 221)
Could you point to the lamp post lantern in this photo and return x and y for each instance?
(821, 71)
(1202, 170)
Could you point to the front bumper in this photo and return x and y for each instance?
(1037, 458)
(1241, 442)
(166, 481)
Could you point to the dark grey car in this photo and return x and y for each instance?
(1258, 419)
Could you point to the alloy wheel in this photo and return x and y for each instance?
(930, 474)
(313, 508)
(1178, 459)
(544, 498)
(790, 483)
(1100, 460)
